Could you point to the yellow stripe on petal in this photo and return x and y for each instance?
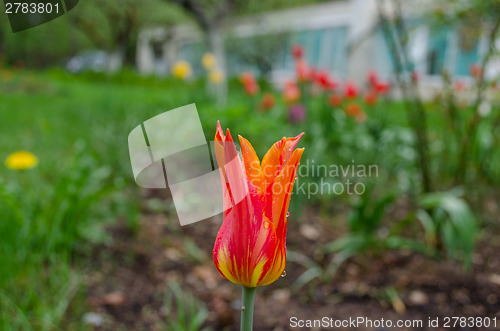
(257, 273)
(224, 261)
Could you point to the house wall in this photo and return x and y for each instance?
(342, 37)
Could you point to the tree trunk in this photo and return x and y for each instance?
(115, 59)
(215, 41)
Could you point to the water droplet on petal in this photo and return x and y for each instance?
(283, 274)
(266, 225)
(287, 213)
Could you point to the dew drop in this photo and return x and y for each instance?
(266, 225)
(283, 274)
(242, 308)
(287, 213)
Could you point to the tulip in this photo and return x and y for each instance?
(355, 110)
(372, 77)
(382, 88)
(251, 244)
(250, 248)
(460, 85)
(324, 80)
(415, 76)
(335, 100)
(351, 91)
(291, 93)
(268, 101)
(247, 78)
(249, 83)
(302, 70)
(251, 88)
(371, 97)
(475, 70)
(297, 51)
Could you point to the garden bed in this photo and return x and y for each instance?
(127, 281)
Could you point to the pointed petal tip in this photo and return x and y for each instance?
(228, 135)
(299, 136)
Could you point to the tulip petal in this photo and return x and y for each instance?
(281, 192)
(252, 164)
(246, 244)
(250, 248)
(277, 157)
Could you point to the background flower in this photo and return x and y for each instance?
(181, 69)
(208, 61)
(21, 160)
(216, 76)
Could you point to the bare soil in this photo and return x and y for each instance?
(127, 281)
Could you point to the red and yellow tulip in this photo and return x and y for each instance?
(250, 248)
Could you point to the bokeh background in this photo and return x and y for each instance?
(408, 86)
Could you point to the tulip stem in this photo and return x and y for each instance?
(247, 300)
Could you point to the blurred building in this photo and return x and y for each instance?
(344, 37)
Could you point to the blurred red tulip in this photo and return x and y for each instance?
(268, 101)
(351, 91)
(291, 93)
(372, 77)
(297, 51)
(323, 79)
(459, 85)
(415, 77)
(475, 70)
(382, 88)
(371, 98)
(355, 110)
(249, 84)
(302, 70)
(251, 88)
(247, 78)
(335, 100)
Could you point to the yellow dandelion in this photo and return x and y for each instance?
(181, 69)
(208, 61)
(216, 76)
(21, 160)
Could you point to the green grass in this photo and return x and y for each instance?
(78, 128)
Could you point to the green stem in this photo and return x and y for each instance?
(247, 299)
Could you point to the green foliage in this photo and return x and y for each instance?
(260, 52)
(184, 311)
(447, 218)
